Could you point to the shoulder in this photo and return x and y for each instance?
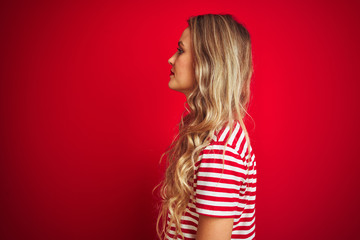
(234, 152)
(237, 141)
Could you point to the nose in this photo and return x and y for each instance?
(172, 60)
(169, 61)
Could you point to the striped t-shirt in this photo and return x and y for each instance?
(223, 195)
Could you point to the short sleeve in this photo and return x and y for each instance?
(217, 191)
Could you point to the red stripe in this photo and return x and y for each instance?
(217, 189)
(217, 170)
(219, 152)
(238, 189)
(220, 161)
(212, 179)
(216, 199)
(237, 137)
(244, 227)
(239, 200)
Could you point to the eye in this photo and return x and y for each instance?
(180, 50)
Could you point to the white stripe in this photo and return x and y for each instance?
(218, 184)
(244, 189)
(188, 235)
(223, 213)
(189, 218)
(251, 165)
(251, 198)
(237, 213)
(216, 194)
(248, 215)
(221, 147)
(250, 189)
(240, 205)
(244, 150)
(221, 166)
(242, 223)
(234, 133)
(241, 138)
(222, 137)
(251, 180)
(220, 157)
(192, 205)
(224, 176)
(244, 232)
(214, 138)
(252, 236)
(184, 226)
(215, 213)
(251, 207)
(251, 171)
(216, 203)
(223, 195)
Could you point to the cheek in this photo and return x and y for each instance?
(190, 72)
(185, 71)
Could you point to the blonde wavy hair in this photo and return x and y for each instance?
(223, 68)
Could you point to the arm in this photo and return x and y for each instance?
(214, 228)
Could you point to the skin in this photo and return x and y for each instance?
(214, 228)
(182, 65)
(209, 228)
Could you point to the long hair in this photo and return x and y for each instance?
(223, 68)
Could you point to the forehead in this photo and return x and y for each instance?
(185, 37)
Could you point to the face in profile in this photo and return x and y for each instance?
(182, 79)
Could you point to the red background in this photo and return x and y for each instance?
(86, 112)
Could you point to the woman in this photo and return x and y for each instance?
(210, 183)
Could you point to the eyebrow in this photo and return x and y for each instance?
(180, 42)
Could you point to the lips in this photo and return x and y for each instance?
(171, 73)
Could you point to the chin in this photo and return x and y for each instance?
(171, 85)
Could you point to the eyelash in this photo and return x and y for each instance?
(180, 50)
